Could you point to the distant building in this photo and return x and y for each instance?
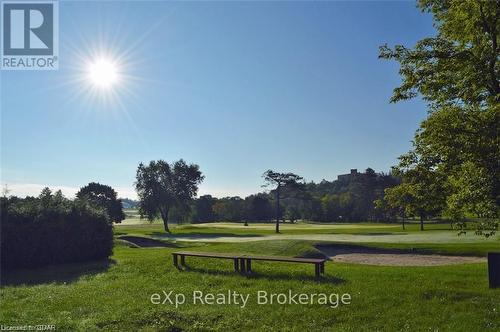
(346, 177)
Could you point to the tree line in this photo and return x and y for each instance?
(349, 199)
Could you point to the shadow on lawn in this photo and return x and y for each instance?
(145, 242)
(61, 274)
(270, 276)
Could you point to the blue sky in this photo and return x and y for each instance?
(237, 88)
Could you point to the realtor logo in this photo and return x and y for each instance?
(29, 35)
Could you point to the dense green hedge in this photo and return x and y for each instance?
(51, 229)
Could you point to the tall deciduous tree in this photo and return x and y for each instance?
(423, 186)
(105, 197)
(290, 181)
(161, 186)
(458, 73)
(460, 64)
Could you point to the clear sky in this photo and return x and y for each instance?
(237, 88)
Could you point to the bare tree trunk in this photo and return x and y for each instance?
(278, 209)
(404, 223)
(164, 217)
(421, 223)
(165, 225)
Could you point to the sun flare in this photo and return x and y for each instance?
(103, 73)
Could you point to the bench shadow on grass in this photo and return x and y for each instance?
(270, 276)
(60, 274)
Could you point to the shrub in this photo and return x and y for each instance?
(51, 229)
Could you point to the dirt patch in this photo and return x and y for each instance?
(375, 256)
(143, 242)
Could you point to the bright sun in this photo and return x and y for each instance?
(103, 73)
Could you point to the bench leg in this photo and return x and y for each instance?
(236, 265)
(316, 270)
(183, 260)
(249, 265)
(242, 265)
(175, 260)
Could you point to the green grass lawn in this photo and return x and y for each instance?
(115, 295)
(437, 238)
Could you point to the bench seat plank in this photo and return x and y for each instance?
(206, 254)
(255, 257)
(286, 259)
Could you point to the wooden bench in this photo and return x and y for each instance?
(243, 263)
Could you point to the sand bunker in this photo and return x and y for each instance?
(374, 256)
